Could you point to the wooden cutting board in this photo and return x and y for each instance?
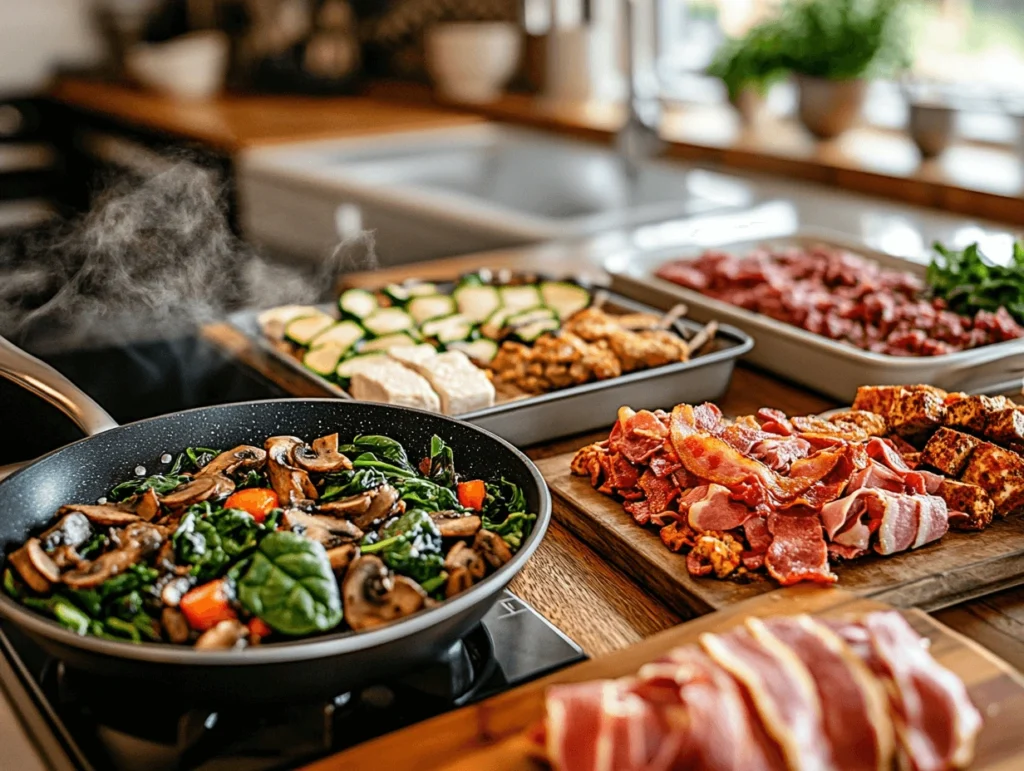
(959, 567)
(488, 735)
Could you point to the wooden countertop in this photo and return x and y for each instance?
(565, 580)
(233, 123)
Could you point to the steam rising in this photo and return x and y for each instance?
(151, 260)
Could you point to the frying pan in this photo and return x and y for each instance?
(311, 668)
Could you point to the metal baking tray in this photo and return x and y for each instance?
(833, 368)
(581, 408)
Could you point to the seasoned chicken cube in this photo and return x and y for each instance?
(1006, 427)
(389, 382)
(462, 386)
(411, 355)
(948, 451)
(871, 423)
(876, 399)
(998, 472)
(968, 500)
(971, 412)
(915, 412)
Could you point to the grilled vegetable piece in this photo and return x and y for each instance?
(324, 359)
(388, 341)
(564, 297)
(520, 297)
(345, 333)
(480, 351)
(301, 331)
(529, 332)
(430, 307)
(357, 303)
(402, 293)
(477, 301)
(344, 371)
(388, 321)
(274, 320)
(450, 329)
(494, 326)
(529, 316)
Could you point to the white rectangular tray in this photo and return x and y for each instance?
(828, 366)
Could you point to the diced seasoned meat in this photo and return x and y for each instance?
(998, 472)
(871, 423)
(915, 412)
(970, 507)
(971, 412)
(876, 399)
(1006, 427)
(948, 451)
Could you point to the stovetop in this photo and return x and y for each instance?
(76, 729)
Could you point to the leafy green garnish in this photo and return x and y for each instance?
(969, 282)
(161, 483)
(343, 484)
(210, 539)
(410, 545)
(513, 528)
(383, 447)
(505, 512)
(442, 463)
(289, 585)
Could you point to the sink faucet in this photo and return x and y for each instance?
(638, 139)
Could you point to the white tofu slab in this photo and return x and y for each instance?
(391, 383)
(462, 386)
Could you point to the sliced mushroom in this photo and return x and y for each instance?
(228, 634)
(135, 542)
(148, 507)
(463, 557)
(454, 524)
(373, 596)
(322, 457)
(174, 590)
(175, 626)
(72, 530)
(198, 490)
(22, 562)
(459, 580)
(41, 561)
(105, 514)
(347, 507)
(341, 556)
(244, 457)
(492, 547)
(383, 502)
(292, 485)
(66, 557)
(328, 531)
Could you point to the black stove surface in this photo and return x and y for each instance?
(77, 728)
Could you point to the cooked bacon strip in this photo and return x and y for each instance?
(936, 723)
(783, 692)
(855, 712)
(715, 510)
(798, 551)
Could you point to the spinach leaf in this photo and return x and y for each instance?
(93, 547)
(410, 545)
(503, 497)
(347, 483)
(161, 483)
(969, 282)
(513, 528)
(380, 446)
(442, 463)
(253, 478)
(209, 539)
(289, 585)
(198, 457)
(424, 494)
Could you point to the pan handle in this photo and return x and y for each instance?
(44, 381)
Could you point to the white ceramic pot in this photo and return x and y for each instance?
(931, 128)
(829, 107)
(472, 61)
(192, 66)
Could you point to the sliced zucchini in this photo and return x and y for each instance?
(344, 333)
(388, 321)
(388, 341)
(565, 298)
(477, 301)
(520, 297)
(450, 329)
(480, 351)
(303, 329)
(430, 306)
(402, 293)
(357, 303)
(274, 320)
(323, 359)
(344, 371)
(530, 316)
(495, 324)
(529, 333)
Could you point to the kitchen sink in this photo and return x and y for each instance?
(436, 193)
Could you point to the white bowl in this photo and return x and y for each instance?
(192, 66)
(472, 61)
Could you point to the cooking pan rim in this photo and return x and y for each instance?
(330, 645)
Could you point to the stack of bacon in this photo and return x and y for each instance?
(784, 693)
(766, 491)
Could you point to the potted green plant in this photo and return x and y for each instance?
(748, 67)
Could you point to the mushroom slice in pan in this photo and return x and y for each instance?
(227, 634)
(71, 530)
(373, 596)
(292, 485)
(462, 556)
(492, 548)
(65, 557)
(341, 556)
(105, 514)
(34, 566)
(383, 502)
(454, 524)
(148, 507)
(136, 541)
(198, 490)
(244, 457)
(322, 457)
(459, 580)
(347, 507)
(328, 531)
(175, 626)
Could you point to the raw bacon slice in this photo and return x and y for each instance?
(932, 520)
(900, 520)
(936, 723)
(875, 475)
(798, 551)
(717, 511)
(853, 702)
(638, 437)
(782, 691)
